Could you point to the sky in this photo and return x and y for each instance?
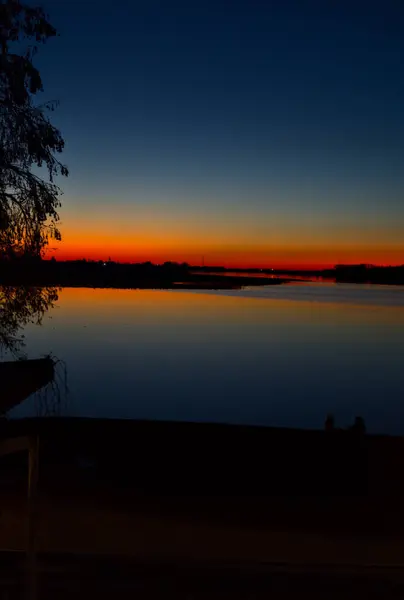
(247, 132)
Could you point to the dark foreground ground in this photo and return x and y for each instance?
(205, 511)
(67, 576)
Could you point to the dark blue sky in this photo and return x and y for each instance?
(271, 125)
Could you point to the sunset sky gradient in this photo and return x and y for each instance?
(253, 133)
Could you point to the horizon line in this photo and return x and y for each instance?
(274, 266)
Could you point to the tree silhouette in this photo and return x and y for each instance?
(28, 203)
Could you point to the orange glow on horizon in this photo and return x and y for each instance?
(234, 243)
(291, 260)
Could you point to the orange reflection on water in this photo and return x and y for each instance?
(116, 305)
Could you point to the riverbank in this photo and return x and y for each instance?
(256, 476)
(215, 506)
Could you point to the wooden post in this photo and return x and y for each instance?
(30, 444)
(33, 455)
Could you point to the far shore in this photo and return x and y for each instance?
(124, 276)
(99, 274)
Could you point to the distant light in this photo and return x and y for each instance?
(105, 264)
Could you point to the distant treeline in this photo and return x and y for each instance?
(369, 274)
(109, 274)
(88, 273)
(362, 273)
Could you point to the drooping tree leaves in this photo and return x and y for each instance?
(20, 306)
(28, 203)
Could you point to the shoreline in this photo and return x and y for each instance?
(222, 458)
(102, 279)
(173, 490)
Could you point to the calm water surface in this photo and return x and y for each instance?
(281, 356)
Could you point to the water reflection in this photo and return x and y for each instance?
(20, 377)
(284, 360)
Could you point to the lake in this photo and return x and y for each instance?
(281, 356)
